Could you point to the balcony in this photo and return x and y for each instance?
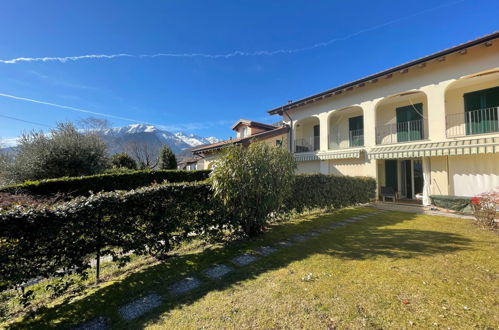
(401, 132)
(355, 138)
(481, 121)
(307, 144)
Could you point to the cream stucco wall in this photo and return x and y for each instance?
(439, 85)
(353, 167)
(312, 166)
(431, 79)
(473, 174)
(439, 176)
(339, 127)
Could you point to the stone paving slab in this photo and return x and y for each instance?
(298, 238)
(184, 286)
(218, 271)
(244, 259)
(140, 306)
(285, 244)
(98, 323)
(311, 233)
(266, 250)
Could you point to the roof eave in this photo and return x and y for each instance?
(362, 81)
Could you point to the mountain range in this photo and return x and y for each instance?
(150, 138)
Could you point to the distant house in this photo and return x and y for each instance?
(189, 164)
(247, 131)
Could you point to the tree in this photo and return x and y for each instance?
(144, 154)
(6, 162)
(167, 159)
(253, 183)
(123, 160)
(63, 152)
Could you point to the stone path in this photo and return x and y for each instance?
(153, 300)
(184, 286)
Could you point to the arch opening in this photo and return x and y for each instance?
(402, 118)
(472, 105)
(307, 135)
(346, 128)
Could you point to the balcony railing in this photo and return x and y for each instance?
(479, 121)
(400, 132)
(307, 144)
(355, 138)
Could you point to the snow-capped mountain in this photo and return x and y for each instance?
(121, 138)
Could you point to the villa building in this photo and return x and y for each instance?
(246, 131)
(427, 127)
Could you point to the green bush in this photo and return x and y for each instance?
(120, 180)
(64, 152)
(455, 203)
(123, 160)
(60, 239)
(252, 183)
(329, 191)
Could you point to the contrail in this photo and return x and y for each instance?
(236, 53)
(67, 107)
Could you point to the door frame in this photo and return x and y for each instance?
(401, 171)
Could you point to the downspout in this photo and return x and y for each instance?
(290, 132)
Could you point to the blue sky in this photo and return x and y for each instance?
(205, 94)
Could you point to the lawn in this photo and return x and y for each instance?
(392, 270)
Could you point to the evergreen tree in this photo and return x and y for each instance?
(167, 159)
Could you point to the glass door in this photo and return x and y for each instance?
(417, 174)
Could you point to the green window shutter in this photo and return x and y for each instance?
(391, 174)
(480, 111)
(409, 123)
(356, 133)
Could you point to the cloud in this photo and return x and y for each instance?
(235, 53)
(175, 127)
(67, 107)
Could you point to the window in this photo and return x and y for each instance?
(356, 131)
(481, 111)
(410, 123)
(317, 134)
(244, 132)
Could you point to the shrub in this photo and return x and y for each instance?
(60, 239)
(63, 152)
(167, 159)
(252, 183)
(121, 180)
(329, 191)
(123, 160)
(485, 209)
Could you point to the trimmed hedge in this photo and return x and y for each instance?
(330, 191)
(455, 203)
(37, 241)
(48, 241)
(82, 186)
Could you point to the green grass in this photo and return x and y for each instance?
(394, 270)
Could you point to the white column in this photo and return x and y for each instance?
(426, 180)
(324, 131)
(436, 110)
(369, 113)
